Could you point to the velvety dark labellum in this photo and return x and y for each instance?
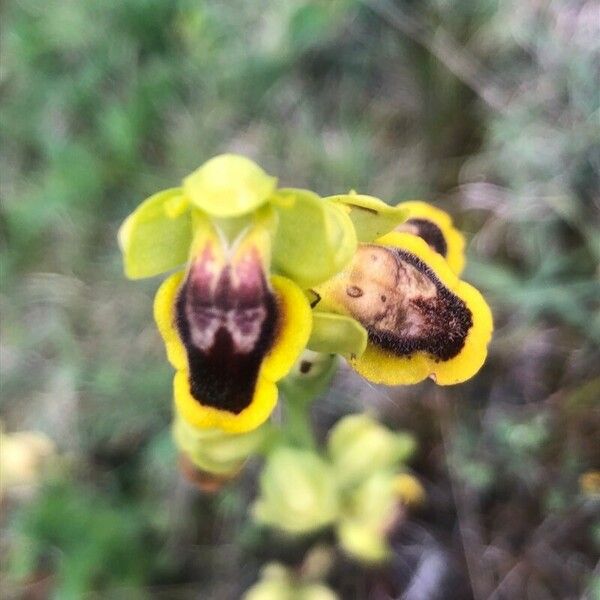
(431, 233)
(443, 319)
(227, 328)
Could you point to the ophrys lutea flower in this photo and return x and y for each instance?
(422, 321)
(233, 316)
(231, 329)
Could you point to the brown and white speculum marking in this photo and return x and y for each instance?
(226, 317)
(428, 231)
(402, 303)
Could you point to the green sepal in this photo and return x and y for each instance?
(337, 334)
(314, 239)
(310, 376)
(370, 216)
(156, 236)
(228, 185)
(215, 451)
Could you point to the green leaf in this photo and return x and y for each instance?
(314, 240)
(337, 334)
(228, 185)
(156, 236)
(370, 216)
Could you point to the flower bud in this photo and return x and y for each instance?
(298, 492)
(358, 446)
(278, 583)
(369, 513)
(409, 490)
(23, 456)
(213, 450)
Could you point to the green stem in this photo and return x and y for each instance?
(297, 428)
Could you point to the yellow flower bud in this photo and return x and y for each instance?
(409, 490)
(23, 455)
(369, 513)
(213, 450)
(279, 583)
(298, 492)
(358, 446)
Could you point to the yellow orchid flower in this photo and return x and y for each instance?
(231, 331)
(421, 320)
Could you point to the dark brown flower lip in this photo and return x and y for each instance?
(227, 324)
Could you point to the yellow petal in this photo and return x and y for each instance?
(197, 414)
(156, 236)
(164, 315)
(295, 319)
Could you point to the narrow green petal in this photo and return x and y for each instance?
(371, 217)
(314, 239)
(228, 185)
(156, 236)
(337, 334)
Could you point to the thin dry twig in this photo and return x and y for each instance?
(445, 48)
(470, 532)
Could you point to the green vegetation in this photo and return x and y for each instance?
(489, 109)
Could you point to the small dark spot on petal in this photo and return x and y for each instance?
(305, 367)
(383, 297)
(354, 291)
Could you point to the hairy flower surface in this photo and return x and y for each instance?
(231, 330)
(250, 262)
(422, 321)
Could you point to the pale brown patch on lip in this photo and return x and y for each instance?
(402, 304)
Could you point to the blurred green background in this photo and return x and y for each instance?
(489, 109)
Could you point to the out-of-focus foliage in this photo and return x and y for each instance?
(488, 108)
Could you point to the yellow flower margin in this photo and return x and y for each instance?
(382, 366)
(455, 241)
(295, 321)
